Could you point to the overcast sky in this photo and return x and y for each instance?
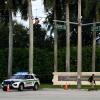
(37, 10)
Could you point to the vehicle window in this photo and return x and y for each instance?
(36, 76)
(32, 77)
(27, 76)
(18, 77)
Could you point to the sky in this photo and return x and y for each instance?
(37, 11)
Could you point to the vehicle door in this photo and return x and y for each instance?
(28, 81)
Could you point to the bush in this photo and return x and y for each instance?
(44, 61)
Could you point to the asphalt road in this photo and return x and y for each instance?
(50, 94)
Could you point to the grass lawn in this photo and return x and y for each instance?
(70, 87)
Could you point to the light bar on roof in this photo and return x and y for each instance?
(21, 73)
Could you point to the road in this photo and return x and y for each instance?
(50, 94)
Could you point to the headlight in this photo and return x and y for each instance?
(2, 83)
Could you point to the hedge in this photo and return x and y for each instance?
(44, 61)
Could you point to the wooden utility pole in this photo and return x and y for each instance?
(67, 38)
(79, 54)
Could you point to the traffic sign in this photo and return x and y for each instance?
(61, 27)
(96, 29)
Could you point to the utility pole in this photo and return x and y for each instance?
(31, 37)
(67, 38)
(55, 39)
(79, 54)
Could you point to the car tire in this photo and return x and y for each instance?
(36, 86)
(21, 87)
(4, 89)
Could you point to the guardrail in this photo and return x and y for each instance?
(61, 78)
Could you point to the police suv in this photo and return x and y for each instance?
(20, 81)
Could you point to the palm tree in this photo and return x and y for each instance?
(97, 18)
(12, 6)
(9, 8)
(55, 34)
(31, 37)
(55, 39)
(79, 52)
(48, 4)
(10, 44)
(67, 38)
(92, 9)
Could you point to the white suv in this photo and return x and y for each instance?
(20, 81)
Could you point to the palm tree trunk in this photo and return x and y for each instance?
(10, 55)
(94, 37)
(79, 53)
(55, 39)
(67, 38)
(30, 37)
(94, 47)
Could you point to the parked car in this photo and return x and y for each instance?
(20, 81)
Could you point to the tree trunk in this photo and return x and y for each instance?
(94, 47)
(10, 55)
(31, 57)
(55, 40)
(94, 38)
(67, 38)
(79, 54)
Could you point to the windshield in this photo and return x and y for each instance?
(18, 77)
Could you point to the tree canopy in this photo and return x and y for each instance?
(90, 11)
(14, 5)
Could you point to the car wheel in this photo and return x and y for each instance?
(21, 87)
(4, 89)
(36, 87)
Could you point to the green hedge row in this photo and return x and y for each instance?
(44, 61)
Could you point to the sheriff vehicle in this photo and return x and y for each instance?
(20, 81)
